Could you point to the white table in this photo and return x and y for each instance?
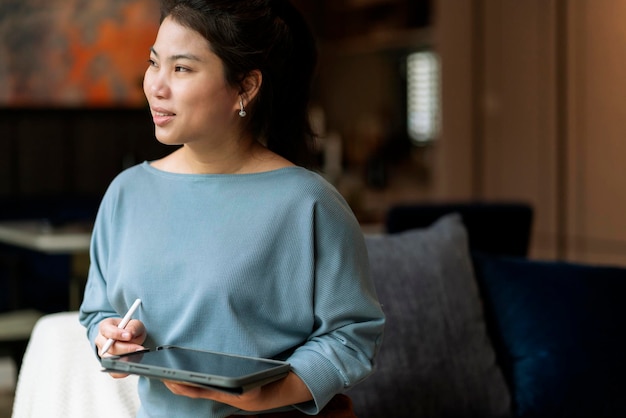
(41, 236)
(72, 239)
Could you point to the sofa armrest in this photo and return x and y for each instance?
(61, 376)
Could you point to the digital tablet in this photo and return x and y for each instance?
(227, 372)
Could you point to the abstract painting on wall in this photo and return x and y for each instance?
(71, 53)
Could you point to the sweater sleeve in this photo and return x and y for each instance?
(349, 321)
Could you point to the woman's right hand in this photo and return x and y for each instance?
(127, 340)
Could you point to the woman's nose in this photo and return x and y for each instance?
(156, 85)
(158, 89)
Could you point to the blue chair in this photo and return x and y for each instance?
(496, 228)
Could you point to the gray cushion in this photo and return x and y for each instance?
(436, 359)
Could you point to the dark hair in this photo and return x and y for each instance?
(270, 36)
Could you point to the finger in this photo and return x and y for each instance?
(182, 389)
(137, 330)
(134, 331)
(121, 347)
(118, 375)
(110, 331)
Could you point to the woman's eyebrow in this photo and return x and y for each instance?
(175, 57)
(190, 57)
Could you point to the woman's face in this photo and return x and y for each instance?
(185, 87)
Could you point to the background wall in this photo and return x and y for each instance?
(534, 99)
(75, 53)
(595, 126)
(71, 151)
(533, 109)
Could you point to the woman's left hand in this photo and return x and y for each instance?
(288, 391)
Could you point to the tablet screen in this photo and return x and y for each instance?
(203, 362)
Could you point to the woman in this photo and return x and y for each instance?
(232, 245)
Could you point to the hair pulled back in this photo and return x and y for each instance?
(266, 35)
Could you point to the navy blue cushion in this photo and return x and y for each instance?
(560, 333)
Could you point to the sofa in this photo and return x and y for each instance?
(477, 334)
(468, 334)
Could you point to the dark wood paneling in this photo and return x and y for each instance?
(71, 151)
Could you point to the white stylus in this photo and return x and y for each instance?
(121, 325)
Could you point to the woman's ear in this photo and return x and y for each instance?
(251, 85)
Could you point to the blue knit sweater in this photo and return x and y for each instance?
(269, 264)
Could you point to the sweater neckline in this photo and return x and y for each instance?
(148, 167)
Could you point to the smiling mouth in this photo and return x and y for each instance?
(161, 114)
(162, 118)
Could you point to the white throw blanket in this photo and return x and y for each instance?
(61, 377)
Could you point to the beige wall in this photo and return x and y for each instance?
(596, 124)
(454, 169)
(534, 109)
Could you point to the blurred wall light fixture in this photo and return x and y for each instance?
(422, 97)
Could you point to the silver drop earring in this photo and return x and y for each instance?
(242, 112)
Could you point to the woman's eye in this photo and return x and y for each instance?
(180, 69)
(152, 63)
